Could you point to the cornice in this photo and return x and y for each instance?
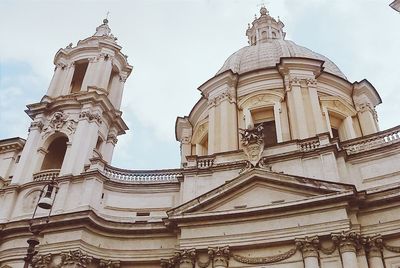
(12, 144)
(76, 101)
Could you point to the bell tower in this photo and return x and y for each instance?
(79, 118)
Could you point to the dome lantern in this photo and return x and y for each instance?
(265, 28)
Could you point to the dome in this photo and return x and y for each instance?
(268, 54)
(267, 45)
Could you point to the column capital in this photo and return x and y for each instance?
(36, 125)
(308, 246)
(219, 255)
(373, 245)
(347, 241)
(185, 258)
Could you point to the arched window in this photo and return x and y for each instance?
(55, 154)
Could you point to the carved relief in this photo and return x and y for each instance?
(112, 138)
(219, 256)
(110, 264)
(225, 95)
(253, 143)
(58, 122)
(308, 246)
(347, 241)
(75, 257)
(36, 125)
(185, 258)
(265, 260)
(373, 245)
(41, 261)
(90, 116)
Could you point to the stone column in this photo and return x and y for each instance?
(219, 256)
(373, 248)
(66, 83)
(27, 163)
(327, 121)
(103, 71)
(296, 110)
(315, 106)
(55, 81)
(84, 141)
(350, 133)
(278, 124)
(348, 243)
(116, 91)
(211, 126)
(367, 118)
(248, 120)
(90, 74)
(108, 148)
(309, 249)
(228, 123)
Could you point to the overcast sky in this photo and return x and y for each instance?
(175, 46)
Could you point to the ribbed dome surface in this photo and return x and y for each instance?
(268, 54)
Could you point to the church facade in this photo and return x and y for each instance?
(283, 164)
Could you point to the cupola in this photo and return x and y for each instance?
(264, 28)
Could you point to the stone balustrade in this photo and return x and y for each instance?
(308, 145)
(140, 176)
(46, 175)
(205, 162)
(373, 141)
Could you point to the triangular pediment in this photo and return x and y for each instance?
(260, 189)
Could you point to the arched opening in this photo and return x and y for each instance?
(55, 154)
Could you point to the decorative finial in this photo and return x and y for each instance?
(263, 11)
(105, 21)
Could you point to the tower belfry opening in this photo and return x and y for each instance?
(55, 154)
(79, 74)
